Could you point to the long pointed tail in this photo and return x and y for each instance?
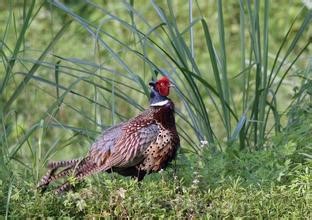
(78, 168)
(62, 163)
(83, 171)
(51, 175)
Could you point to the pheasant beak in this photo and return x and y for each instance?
(152, 83)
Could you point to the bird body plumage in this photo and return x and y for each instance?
(144, 144)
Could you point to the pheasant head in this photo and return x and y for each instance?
(159, 91)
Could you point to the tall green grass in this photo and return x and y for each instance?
(201, 91)
(208, 107)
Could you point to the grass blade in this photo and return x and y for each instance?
(18, 45)
(34, 68)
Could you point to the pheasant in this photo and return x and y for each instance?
(140, 146)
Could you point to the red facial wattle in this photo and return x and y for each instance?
(163, 86)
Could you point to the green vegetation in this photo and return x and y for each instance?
(243, 86)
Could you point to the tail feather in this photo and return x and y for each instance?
(65, 172)
(86, 170)
(45, 180)
(71, 167)
(50, 177)
(62, 188)
(78, 168)
(62, 163)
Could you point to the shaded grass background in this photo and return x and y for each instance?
(71, 69)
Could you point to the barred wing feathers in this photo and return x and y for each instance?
(123, 145)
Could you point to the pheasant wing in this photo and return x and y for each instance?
(101, 148)
(129, 150)
(123, 145)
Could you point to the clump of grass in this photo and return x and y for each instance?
(162, 196)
